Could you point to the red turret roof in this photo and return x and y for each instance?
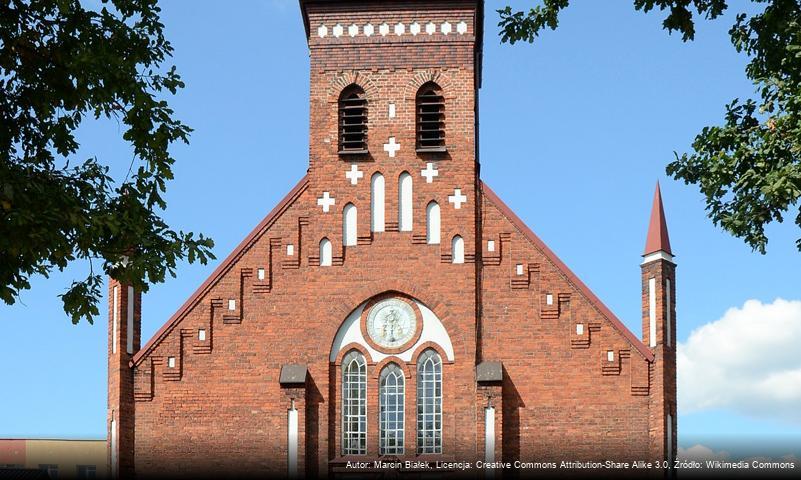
(658, 239)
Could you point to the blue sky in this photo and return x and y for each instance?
(575, 131)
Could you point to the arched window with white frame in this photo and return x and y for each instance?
(326, 252)
(391, 401)
(405, 202)
(377, 202)
(429, 402)
(354, 404)
(457, 249)
(432, 223)
(349, 219)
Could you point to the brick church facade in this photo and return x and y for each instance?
(391, 306)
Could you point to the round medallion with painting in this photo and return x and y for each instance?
(391, 323)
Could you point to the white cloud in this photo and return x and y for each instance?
(786, 458)
(747, 361)
(700, 453)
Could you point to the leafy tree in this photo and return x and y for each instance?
(59, 64)
(748, 168)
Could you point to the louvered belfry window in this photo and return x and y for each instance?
(352, 121)
(430, 118)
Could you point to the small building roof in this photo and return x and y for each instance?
(292, 374)
(489, 371)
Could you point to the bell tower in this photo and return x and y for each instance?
(393, 118)
(393, 179)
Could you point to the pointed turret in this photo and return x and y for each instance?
(659, 330)
(658, 239)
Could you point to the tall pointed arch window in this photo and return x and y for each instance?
(352, 121)
(430, 108)
(354, 404)
(432, 223)
(429, 402)
(377, 202)
(457, 249)
(349, 236)
(405, 203)
(326, 253)
(392, 396)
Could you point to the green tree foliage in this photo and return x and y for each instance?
(59, 64)
(748, 168)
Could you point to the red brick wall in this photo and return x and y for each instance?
(558, 399)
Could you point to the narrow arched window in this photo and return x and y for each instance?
(405, 202)
(429, 402)
(349, 225)
(377, 203)
(325, 252)
(391, 404)
(352, 121)
(432, 223)
(430, 105)
(354, 404)
(457, 249)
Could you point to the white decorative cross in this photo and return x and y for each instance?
(391, 147)
(430, 172)
(327, 201)
(457, 199)
(354, 174)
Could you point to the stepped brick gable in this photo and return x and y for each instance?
(391, 306)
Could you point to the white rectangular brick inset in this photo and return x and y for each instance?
(652, 311)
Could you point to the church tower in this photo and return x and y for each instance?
(393, 167)
(393, 132)
(659, 330)
(124, 330)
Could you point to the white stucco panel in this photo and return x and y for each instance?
(433, 331)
